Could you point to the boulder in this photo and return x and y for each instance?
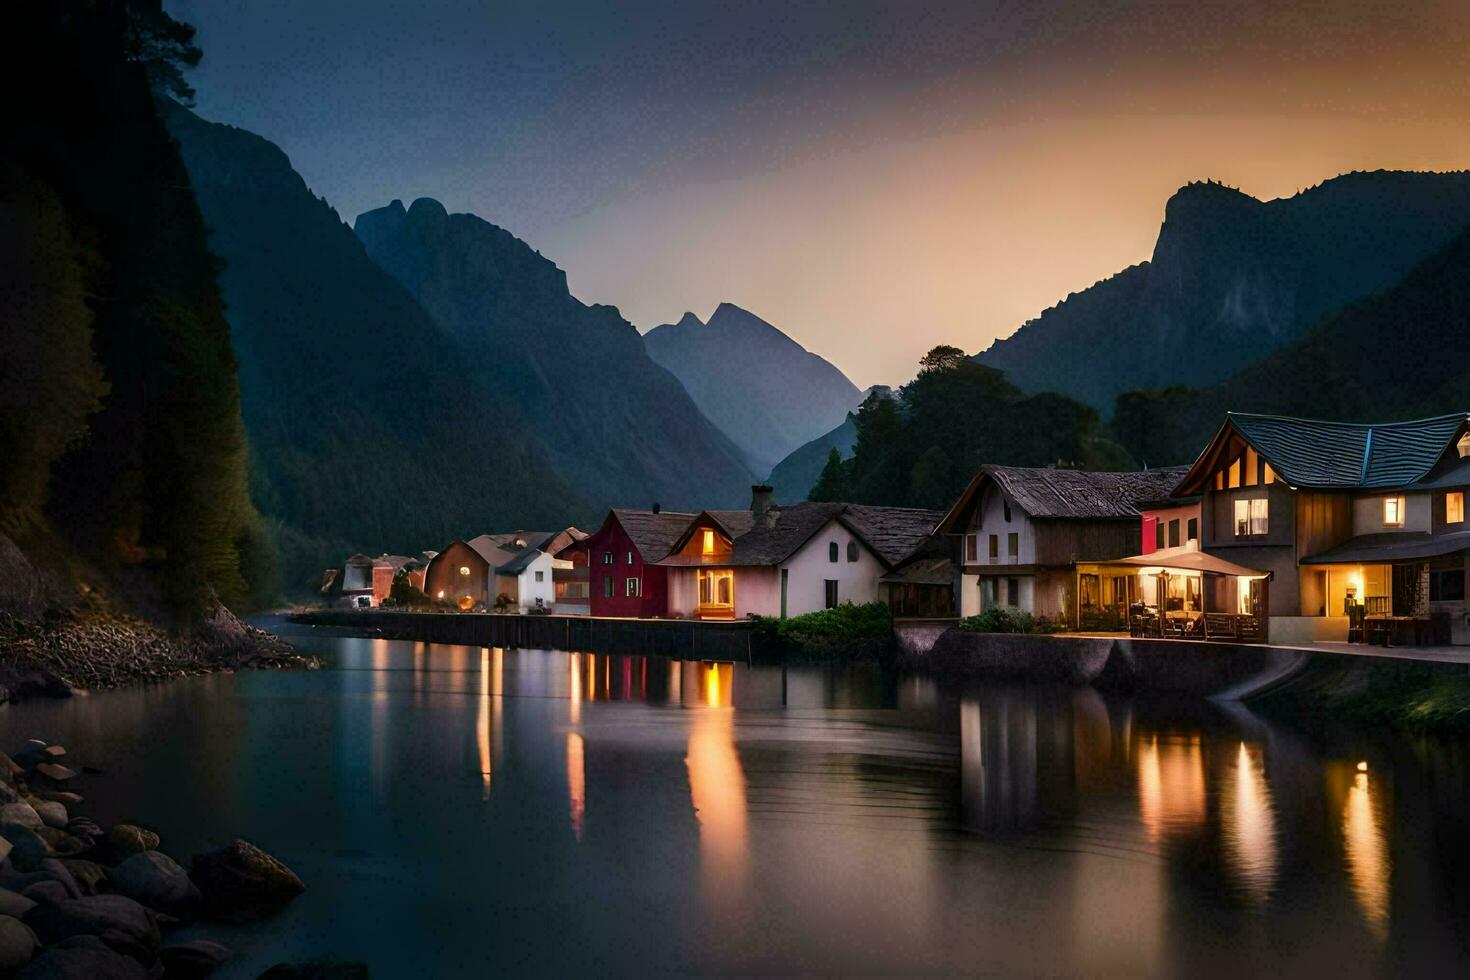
(15, 904)
(117, 920)
(55, 772)
(85, 828)
(241, 883)
(47, 891)
(9, 767)
(57, 871)
(17, 944)
(52, 814)
(7, 792)
(54, 751)
(82, 958)
(61, 796)
(154, 879)
(320, 970)
(5, 847)
(21, 813)
(61, 842)
(28, 849)
(192, 960)
(90, 876)
(130, 839)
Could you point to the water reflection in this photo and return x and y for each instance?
(576, 782)
(1171, 785)
(1365, 843)
(1249, 825)
(717, 789)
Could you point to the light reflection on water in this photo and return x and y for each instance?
(522, 808)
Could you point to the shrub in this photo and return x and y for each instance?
(848, 629)
(1010, 621)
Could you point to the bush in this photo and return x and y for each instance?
(1010, 621)
(848, 629)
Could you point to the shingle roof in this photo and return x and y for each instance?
(892, 533)
(1082, 494)
(653, 534)
(1321, 454)
(1391, 546)
(520, 560)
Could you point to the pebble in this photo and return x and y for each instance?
(53, 771)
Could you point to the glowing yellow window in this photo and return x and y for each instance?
(708, 545)
(464, 570)
(1393, 511)
(1454, 507)
(1235, 474)
(1270, 475)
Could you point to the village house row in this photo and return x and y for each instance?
(1284, 529)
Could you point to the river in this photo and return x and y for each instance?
(459, 810)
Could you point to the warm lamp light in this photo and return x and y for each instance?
(1362, 767)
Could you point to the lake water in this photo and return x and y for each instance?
(457, 810)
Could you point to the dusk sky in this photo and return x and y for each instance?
(872, 178)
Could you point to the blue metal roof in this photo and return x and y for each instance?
(1316, 453)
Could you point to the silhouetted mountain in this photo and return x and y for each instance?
(1232, 279)
(767, 392)
(621, 429)
(366, 429)
(794, 477)
(1402, 354)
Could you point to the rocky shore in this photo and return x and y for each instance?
(67, 650)
(81, 901)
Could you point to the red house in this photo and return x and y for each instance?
(1169, 524)
(623, 579)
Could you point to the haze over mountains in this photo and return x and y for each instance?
(766, 391)
(1231, 279)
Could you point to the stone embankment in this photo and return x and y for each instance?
(78, 900)
(67, 650)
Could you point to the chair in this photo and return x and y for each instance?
(1220, 626)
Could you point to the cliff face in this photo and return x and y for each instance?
(766, 391)
(366, 430)
(1231, 279)
(620, 428)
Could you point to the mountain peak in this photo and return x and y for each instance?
(426, 209)
(690, 321)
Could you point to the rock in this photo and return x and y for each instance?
(64, 797)
(89, 875)
(55, 772)
(17, 944)
(52, 814)
(82, 958)
(48, 891)
(9, 766)
(320, 970)
(117, 920)
(21, 813)
(241, 883)
(129, 839)
(194, 959)
(154, 879)
(7, 792)
(14, 904)
(83, 827)
(5, 847)
(58, 871)
(28, 849)
(61, 842)
(54, 751)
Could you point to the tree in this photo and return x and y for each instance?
(163, 46)
(833, 484)
(942, 358)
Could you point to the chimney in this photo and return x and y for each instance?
(655, 507)
(760, 501)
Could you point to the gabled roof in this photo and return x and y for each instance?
(1318, 454)
(891, 533)
(1046, 492)
(653, 534)
(895, 533)
(520, 561)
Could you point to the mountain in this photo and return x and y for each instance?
(366, 431)
(1232, 279)
(766, 391)
(794, 477)
(621, 429)
(1402, 354)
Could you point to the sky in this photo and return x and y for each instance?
(872, 178)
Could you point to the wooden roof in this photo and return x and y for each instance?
(1045, 492)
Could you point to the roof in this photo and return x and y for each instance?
(1186, 559)
(929, 570)
(653, 534)
(891, 533)
(520, 561)
(1047, 492)
(1318, 454)
(894, 533)
(1391, 546)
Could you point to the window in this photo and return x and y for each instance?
(852, 553)
(630, 558)
(1158, 534)
(987, 593)
(1220, 480)
(1251, 517)
(832, 551)
(1447, 585)
(607, 585)
(630, 588)
(1269, 476)
(1393, 511)
(972, 547)
(1234, 475)
(1013, 592)
(464, 571)
(1463, 446)
(707, 547)
(1006, 505)
(540, 576)
(995, 547)
(1013, 545)
(1193, 530)
(1252, 467)
(607, 559)
(1174, 533)
(1454, 507)
(831, 589)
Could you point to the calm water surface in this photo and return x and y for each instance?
(457, 810)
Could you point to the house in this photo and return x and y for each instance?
(772, 560)
(571, 593)
(621, 561)
(1020, 532)
(366, 582)
(1359, 528)
(518, 565)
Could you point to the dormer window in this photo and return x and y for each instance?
(1393, 511)
(707, 546)
(1463, 446)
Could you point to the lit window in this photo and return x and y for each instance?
(1393, 511)
(1234, 474)
(1454, 507)
(1251, 517)
(1252, 467)
(1270, 475)
(708, 546)
(464, 570)
(441, 594)
(1463, 446)
(1220, 480)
